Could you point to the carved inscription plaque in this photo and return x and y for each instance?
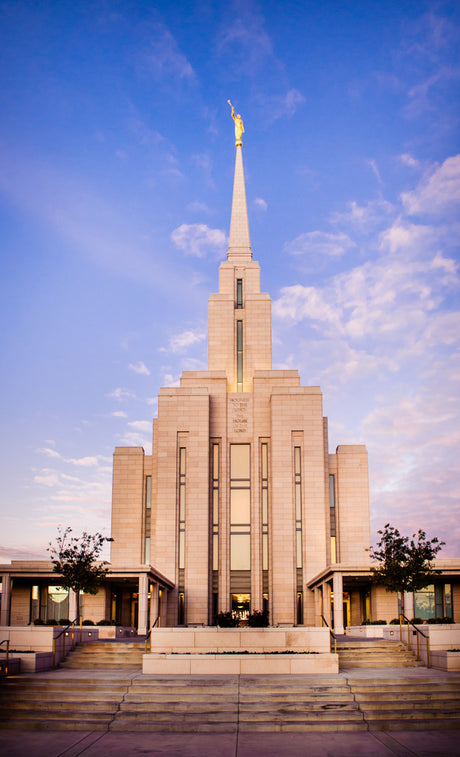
(239, 415)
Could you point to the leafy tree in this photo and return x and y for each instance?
(75, 559)
(405, 564)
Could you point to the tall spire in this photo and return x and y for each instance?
(239, 245)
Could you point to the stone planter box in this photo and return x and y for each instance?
(368, 632)
(448, 661)
(240, 664)
(32, 662)
(213, 639)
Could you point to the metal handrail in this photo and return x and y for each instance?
(7, 642)
(419, 633)
(64, 634)
(331, 633)
(148, 636)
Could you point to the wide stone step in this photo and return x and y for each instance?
(102, 705)
(425, 714)
(63, 724)
(35, 716)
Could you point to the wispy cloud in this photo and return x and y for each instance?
(199, 240)
(163, 58)
(139, 368)
(438, 192)
(320, 243)
(260, 203)
(363, 218)
(390, 328)
(181, 342)
(143, 426)
(121, 394)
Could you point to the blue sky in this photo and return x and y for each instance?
(116, 169)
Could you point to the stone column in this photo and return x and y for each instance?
(318, 605)
(338, 603)
(326, 590)
(154, 604)
(6, 599)
(72, 605)
(143, 604)
(164, 607)
(409, 605)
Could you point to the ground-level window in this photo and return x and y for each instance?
(434, 601)
(241, 606)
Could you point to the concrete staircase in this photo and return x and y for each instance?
(51, 702)
(410, 704)
(375, 653)
(113, 701)
(105, 655)
(108, 692)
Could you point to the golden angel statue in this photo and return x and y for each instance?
(239, 128)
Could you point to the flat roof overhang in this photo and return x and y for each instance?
(43, 569)
(357, 575)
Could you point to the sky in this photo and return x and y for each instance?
(116, 171)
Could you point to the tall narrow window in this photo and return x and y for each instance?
(239, 356)
(215, 506)
(332, 518)
(264, 498)
(298, 504)
(147, 519)
(239, 293)
(240, 507)
(182, 491)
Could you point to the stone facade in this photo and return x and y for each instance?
(262, 531)
(240, 507)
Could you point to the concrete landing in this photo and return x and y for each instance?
(96, 744)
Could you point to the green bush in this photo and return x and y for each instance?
(226, 620)
(439, 621)
(258, 619)
(417, 621)
(64, 622)
(39, 622)
(105, 623)
(374, 623)
(394, 622)
(88, 623)
(51, 623)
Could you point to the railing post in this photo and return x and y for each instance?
(408, 636)
(400, 627)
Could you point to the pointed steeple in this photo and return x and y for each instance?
(239, 245)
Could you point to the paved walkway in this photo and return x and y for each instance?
(97, 744)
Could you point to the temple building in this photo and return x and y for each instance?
(241, 506)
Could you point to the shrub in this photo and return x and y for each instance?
(104, 623)
(417, 621)
(439, 621)
(394, 622)
(39, 622)
(374, 622)
(51, 623)
(258, 619)
(226, 620)
(88, 623)
(64, 622)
